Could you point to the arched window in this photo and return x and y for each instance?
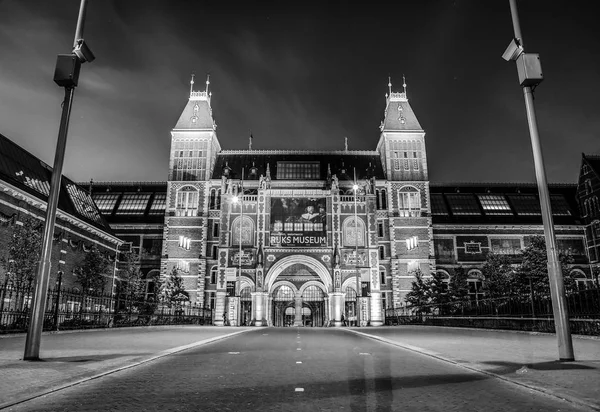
(354, 232)
(475, 283)
(284, 293)
(213, 274)
(313, 294)
(581, 279)
(247, 232)
(187, 202)
(246, 294)
(409, 202)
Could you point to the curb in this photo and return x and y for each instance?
(524, 332)
(435, 355)
(118, 369)
(65, 331)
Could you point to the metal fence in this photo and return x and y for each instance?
(72, 309)
(511, 312)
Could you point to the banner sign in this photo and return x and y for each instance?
(298, 222)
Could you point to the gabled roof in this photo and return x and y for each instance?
(28, 173)
(594, 162)
(501, 203)
(197, 113)
(399, 116)
(366, 163)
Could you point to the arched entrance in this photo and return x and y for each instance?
(284, 306)
(313, 306)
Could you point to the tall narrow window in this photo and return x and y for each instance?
(381, 199)
(415, 161)
(215, 251)
(187, 202)
(409, 202)
(381, 252)
(406, 165)
(382, 275)
(396, 160)
(213, 274)
(215, 229)
(380, 229)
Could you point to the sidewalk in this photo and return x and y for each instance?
(527, 359)
(71, 357)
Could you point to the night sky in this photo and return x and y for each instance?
(303, 75)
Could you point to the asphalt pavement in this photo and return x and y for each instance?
(300, 369)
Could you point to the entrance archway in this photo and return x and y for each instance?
(284, 305)
(311, 263)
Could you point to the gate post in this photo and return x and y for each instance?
(337, 299)
(220, 309)
(376, 309)
(259, 303)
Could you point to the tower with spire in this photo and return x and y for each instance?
(194, 146)
(402, 149)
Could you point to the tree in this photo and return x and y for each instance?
(24, 248)
(458, 288)
(90, 274)
(533, 271)
(499, 276)
(132, 286)
(437, 289)
(174, 289)
(419, 293)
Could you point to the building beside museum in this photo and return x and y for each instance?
(287, 237)
(24, 191)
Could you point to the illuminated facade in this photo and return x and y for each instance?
(284, 237)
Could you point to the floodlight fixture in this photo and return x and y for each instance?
(513, 51)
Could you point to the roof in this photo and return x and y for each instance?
(131, 202)
(399, 115)
(501, 203)
(594, 162)
(197, 113)
(341, 163)
(23, 170)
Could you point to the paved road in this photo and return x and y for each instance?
(296, 369)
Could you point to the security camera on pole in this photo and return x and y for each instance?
(530, 75)
(66, 75)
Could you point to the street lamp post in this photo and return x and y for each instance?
(525, 63)
(358, 283)
(66, 75)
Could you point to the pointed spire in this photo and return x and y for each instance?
(192, 85)
(207, 83)
(346, 144)
(390, 84)
(404, 85)
(91, 185)
(250, 141)
(268, 172)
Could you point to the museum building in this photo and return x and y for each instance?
(287, 237)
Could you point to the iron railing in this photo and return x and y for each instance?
(510, 312)
(72, 309)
